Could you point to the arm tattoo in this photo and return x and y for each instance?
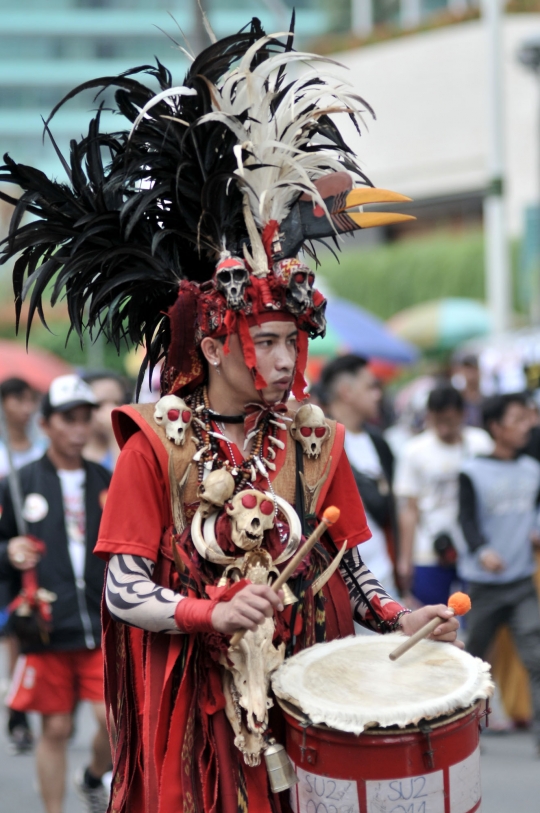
(373, 591)
(134, 599)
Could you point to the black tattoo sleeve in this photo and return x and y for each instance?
(134, 599)
(364, 586)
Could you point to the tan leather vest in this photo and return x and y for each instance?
(316, 477)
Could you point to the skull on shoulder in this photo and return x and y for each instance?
(310, 429)
(174, 415)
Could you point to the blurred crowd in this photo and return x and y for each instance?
(450, 482)
(451, 485)
(57, 454)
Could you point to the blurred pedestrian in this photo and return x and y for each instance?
(20, 403)
(110, 392)
(63, 499)
(427, 488)
(466, 378)
(353, 396)
(499, 499)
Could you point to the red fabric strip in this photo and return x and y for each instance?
(299, 384)
(248, 350)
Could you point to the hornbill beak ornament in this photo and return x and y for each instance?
(307, 219)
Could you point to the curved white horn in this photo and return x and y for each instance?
(206, 550)
(295, 528)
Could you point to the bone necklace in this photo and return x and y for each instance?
(207, 456)
(279, 525)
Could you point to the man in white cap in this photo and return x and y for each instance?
(57, 612)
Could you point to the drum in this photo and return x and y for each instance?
(368, 735)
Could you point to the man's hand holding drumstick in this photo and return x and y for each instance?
(437, 622)
(254, 603)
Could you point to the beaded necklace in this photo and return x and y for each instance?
(207, 455)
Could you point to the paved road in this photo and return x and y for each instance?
(18, 790)
(510, 773)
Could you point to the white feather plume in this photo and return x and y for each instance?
(275, 135)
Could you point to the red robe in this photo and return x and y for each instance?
(174, 750)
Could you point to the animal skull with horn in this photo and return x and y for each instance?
(247, 668)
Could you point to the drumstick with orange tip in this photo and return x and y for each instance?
(330, 516)
(460, 603)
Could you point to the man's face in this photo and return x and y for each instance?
(275, 351)
(69, 431)
(19, 408)
(471, 374)
(363, 392)
(513, 430)
(109, 395)
(447, 424)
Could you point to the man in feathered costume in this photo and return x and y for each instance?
(186, 241)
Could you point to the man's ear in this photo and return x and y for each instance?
(211, 350)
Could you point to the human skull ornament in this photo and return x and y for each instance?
(174, 415)
(299, 292)
(232, 279)
(251, 513)
(310, 429)
(215, 491)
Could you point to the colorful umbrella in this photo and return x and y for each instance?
(38, 367)
(441, 324)
(352, 329)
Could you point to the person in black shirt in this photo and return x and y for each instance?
(63, 496)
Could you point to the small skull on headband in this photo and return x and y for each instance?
(299, 280)
(232, 279)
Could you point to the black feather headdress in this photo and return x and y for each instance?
(238, 162)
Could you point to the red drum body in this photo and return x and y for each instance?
(370, 735)
(434, 770)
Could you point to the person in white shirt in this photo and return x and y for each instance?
(352, 395)
(426, 484)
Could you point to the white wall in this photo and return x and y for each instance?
(429, 94)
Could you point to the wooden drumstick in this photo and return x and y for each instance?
(460, 603)
(331, 515)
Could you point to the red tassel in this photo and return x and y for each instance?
(268, 236)
(248, 350)
(265, 292)
(299, 385)
(183, 318)
(230, 322)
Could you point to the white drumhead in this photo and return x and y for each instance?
(352, 684)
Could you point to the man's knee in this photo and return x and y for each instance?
(100, 713)
(57, 728)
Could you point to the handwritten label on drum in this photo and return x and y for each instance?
(465, 789)
(320, 794)
(414, 794)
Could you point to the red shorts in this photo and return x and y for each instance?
(53, 682)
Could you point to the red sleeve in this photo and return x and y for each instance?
(343, 493)
(135, 512)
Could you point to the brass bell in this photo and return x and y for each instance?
(288, 595)
(280, 769)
